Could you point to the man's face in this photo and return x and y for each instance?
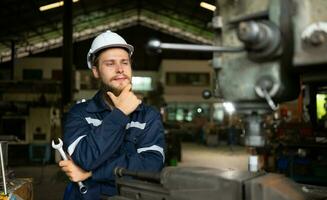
(114, 69)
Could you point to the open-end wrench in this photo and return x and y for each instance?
(82, 187)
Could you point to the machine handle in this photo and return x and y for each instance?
(156, 46)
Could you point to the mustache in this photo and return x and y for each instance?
(120, 76)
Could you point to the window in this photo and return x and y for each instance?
(142, 83)
(190, 79)
(32, 74)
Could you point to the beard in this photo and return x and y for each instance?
(105, 87)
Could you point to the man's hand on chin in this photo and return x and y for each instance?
(126, 101)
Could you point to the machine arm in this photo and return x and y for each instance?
(156, 46)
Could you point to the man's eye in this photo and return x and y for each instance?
(109, 64)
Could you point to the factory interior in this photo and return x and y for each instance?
(240, 85)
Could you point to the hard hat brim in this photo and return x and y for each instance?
(129, 48)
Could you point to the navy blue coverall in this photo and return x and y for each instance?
(99, 139)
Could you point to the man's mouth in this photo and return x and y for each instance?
(119, 78)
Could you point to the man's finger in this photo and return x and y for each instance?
(129, 87)
(112, 96)
(126, 89)
(63, 163)
(66, 169)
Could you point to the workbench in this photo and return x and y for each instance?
(19, 188)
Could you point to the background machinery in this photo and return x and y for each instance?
(264, 53)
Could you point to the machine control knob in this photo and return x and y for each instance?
(249, 32)
(261, 39)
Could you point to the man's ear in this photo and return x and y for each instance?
(95, 72)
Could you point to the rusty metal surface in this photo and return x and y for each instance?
(272, 187)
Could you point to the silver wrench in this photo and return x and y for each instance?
(82, 187)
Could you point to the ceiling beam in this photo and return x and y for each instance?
(88, 26)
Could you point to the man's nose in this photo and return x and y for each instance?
(119, 68)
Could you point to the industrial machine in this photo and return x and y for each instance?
(269, 46)
(193, 183)
(272, 47)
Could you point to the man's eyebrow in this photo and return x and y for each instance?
(109, 60)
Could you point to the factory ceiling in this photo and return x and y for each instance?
(34, 31)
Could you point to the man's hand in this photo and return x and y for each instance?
(74, 172)
(127, 101)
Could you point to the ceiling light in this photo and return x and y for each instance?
(54, 5)
(207, 6)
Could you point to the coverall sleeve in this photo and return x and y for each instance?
(90, 146)
(149, 155)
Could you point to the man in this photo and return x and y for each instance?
(114, 128)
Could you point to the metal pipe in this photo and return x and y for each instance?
(150, 176)
(157, 46)
(3, 170)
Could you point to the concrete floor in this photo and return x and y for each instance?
(49, 182)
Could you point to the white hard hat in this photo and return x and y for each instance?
(106, 40)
